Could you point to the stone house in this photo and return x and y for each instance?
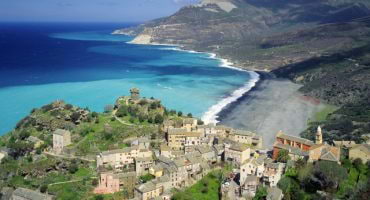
(344, 144)
(175, 169)
(252, 167)
(249, 186)
(192, 139)
(27, 194)
(223, 131)
(273, 173)
(110, 182)
(153, 189)
(237, 153)
(167, 125)
(61, 139)
(189, 124)
(361, 151)
(36, 141)
(179, 139)
(122, 157)
(208, 130)
(176, 138)
(324, 152)
(246, 137)
(143, 164)
(142, 142)
(297, 147)
(207, 153)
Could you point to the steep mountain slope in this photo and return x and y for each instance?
(239, 29)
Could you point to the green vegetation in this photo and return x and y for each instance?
(339, 181)
(283, 156)
(324, 113)
(146, 178)
(207, 188)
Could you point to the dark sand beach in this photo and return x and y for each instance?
(273, 104)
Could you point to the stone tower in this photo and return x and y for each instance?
(319, 136)
(135, 94)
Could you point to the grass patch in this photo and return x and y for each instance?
(323, 113)
(206, 189)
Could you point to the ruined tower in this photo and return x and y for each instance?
(135, 94)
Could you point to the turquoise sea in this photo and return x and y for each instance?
(85, 65)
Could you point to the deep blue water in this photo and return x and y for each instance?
(85, 65)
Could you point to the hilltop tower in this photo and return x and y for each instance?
(319, 136)
(135, 94)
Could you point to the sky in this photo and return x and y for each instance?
(88, 10)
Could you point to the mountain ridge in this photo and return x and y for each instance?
(207, 27)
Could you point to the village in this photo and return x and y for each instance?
(192, 150)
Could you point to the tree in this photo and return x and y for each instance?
(190, 115)
(357, 163)
(99, 197)
(95, 182)
(94, 114)
(283, 156)
(158, 119)
(73, 168)
(200, 122)
(260, 194)
(179, 114)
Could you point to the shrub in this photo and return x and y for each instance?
(99, 197)
(95, 182)
(200, 122)
(73, 168)
(43, 188)
(283, 156)
(94, 114)
(158, 119)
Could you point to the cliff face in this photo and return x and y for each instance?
(243, 30)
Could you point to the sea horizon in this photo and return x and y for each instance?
(99, 67)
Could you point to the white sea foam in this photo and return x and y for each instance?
(212, 114)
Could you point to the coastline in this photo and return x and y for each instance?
(264, 105)
(211, 116)
(273, 105)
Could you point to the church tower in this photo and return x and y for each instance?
(319, 136)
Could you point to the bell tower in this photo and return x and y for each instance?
(318, 137)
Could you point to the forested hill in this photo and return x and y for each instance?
(257, 34)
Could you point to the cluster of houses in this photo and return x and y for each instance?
(190, 152)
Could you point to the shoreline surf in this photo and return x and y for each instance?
(211, 116)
